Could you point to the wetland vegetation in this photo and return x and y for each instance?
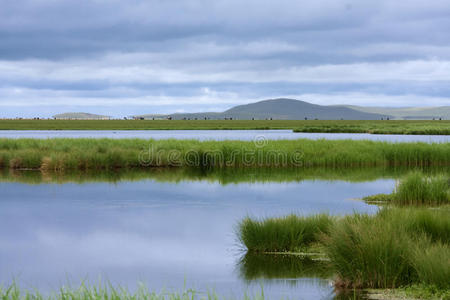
(417, 189)
(394, 248)
(404, 248)
(435, 127)
(110, 154)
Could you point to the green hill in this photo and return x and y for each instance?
(407, 113)
(279, 109)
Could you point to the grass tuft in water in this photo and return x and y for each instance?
(417, 189)
(285, 234)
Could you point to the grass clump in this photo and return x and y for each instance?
(286, 234)
(368, 253)
(397, 247)
(417, 189)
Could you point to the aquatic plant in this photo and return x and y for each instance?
(102, 154)
(396, 247)
(417, 189)
(110, 292)
(350, 126)
(285, 234)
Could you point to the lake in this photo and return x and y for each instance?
(219, 135)
(166, 229)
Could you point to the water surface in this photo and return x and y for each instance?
(166, 234)
(218, 135)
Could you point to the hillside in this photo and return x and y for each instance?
(407, 113)
(280, 109)
(80, 116)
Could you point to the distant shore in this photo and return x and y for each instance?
(416, 127)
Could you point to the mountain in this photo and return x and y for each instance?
(407, 113)
(80, 116)
(279, 109)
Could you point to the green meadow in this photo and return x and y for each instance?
(110, 154)
(435, 127)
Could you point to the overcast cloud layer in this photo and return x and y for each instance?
(124, 57)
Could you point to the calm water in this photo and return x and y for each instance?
(245, 135)
(164, 234)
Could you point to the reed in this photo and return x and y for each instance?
(103, 154)
(379, 127)
(417, 189)
(397, 247)
(286, 234)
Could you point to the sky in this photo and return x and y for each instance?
(125, 57)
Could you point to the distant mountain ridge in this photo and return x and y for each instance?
(80, 116)
(279, 109)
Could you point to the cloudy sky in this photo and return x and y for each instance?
(124, 57)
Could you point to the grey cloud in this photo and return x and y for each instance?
(160, 53)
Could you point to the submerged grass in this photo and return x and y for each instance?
(86, 154)
(394, 248)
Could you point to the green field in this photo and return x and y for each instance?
(392, 126)
(109, 154)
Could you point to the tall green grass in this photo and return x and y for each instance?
(95, 154)
(286, 234)
(394, 248)
(379, 127)
(417, 189)
(367, 252)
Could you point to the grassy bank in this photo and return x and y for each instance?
(394, 248)
(392, 127)
(379, 127)
(417, 189)
(97, 154)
